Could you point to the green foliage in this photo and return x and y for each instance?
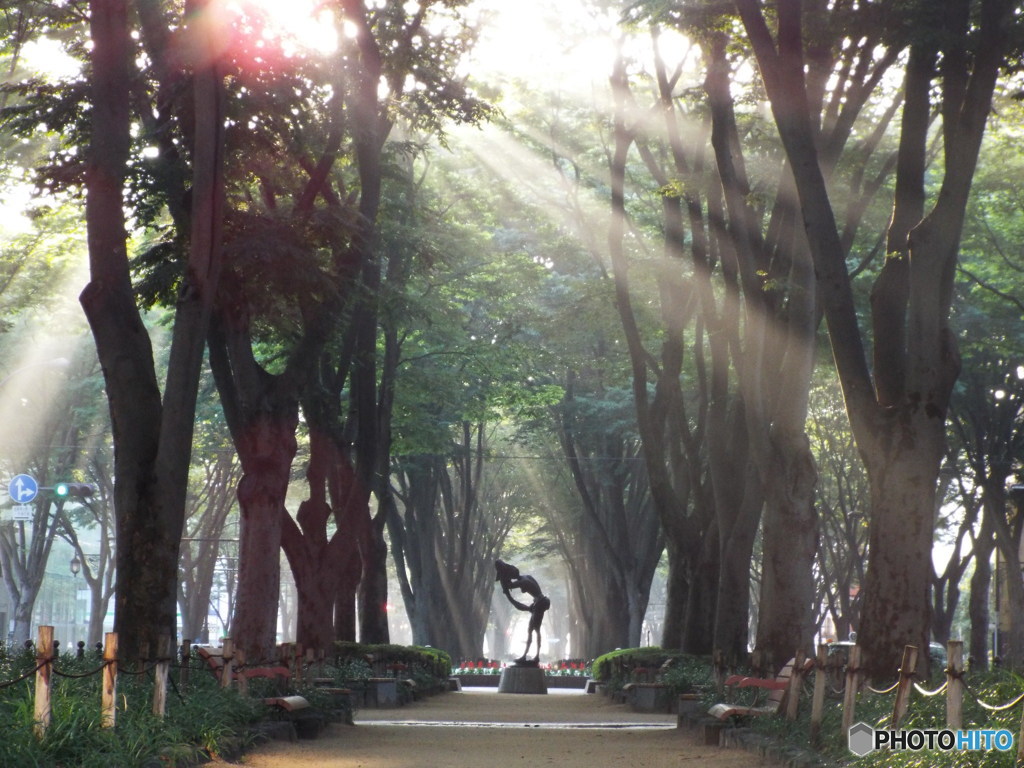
(688, 674)
(35, 262)
(993, 688)
(465, 307)
(433, 663)
(616, 666)
(204, 723)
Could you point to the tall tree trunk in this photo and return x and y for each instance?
(902, 512)
(677, 596)
(732, 618)
(152, 438)
(698, 632)
(373, 587)
(774, 375)
(266, 449)
(1011, 579)
(661, 419)
(978, 601)
(789, 542)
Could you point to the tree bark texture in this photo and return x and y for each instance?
(789, 542)
(978, 600)
(266, 451)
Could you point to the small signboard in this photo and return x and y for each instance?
(22, 512)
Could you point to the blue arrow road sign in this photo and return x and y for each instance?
(23, 489)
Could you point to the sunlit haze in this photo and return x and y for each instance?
(295, 24)
(551, 45)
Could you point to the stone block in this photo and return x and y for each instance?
(522, 680)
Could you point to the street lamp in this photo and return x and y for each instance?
(76, 564)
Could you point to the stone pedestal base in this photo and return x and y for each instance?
(522, 680)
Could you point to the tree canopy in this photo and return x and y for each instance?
(746, 297)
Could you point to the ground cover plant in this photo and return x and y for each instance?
(682, 672)
(927, 713)
(203, 722)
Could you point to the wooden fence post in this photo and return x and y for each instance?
(719, 671)
(108, 709)
(310, 669)
(954, 684)
(907, 671)
(228, 655)
(818, 700)
(183, 671)
(44, 675)
(795, 684)
(852, 684)
(163, 663)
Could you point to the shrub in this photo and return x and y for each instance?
(688, 674)
(622, 662)
(683, 673)
(429, 667)
(205, 722)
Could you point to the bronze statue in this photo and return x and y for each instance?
(510, 579)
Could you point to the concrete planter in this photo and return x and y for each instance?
(491, 681)
(649, 697)
(688, 705)
(382, 693)
(479, 681)
(565, 681)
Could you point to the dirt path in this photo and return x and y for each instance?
(478, 728)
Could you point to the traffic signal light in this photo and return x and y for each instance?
(72, 490)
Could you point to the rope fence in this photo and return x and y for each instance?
(826, 670)
(226, 663)
(45, 672)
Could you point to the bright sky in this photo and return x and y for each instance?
(534, 40)
(565, 46)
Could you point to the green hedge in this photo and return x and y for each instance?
(624, 660)
(432, 662)
(685, 674)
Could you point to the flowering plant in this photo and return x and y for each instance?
(568, 668)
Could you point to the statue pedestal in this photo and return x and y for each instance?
(522, 680)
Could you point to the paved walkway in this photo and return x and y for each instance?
(480, 728)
